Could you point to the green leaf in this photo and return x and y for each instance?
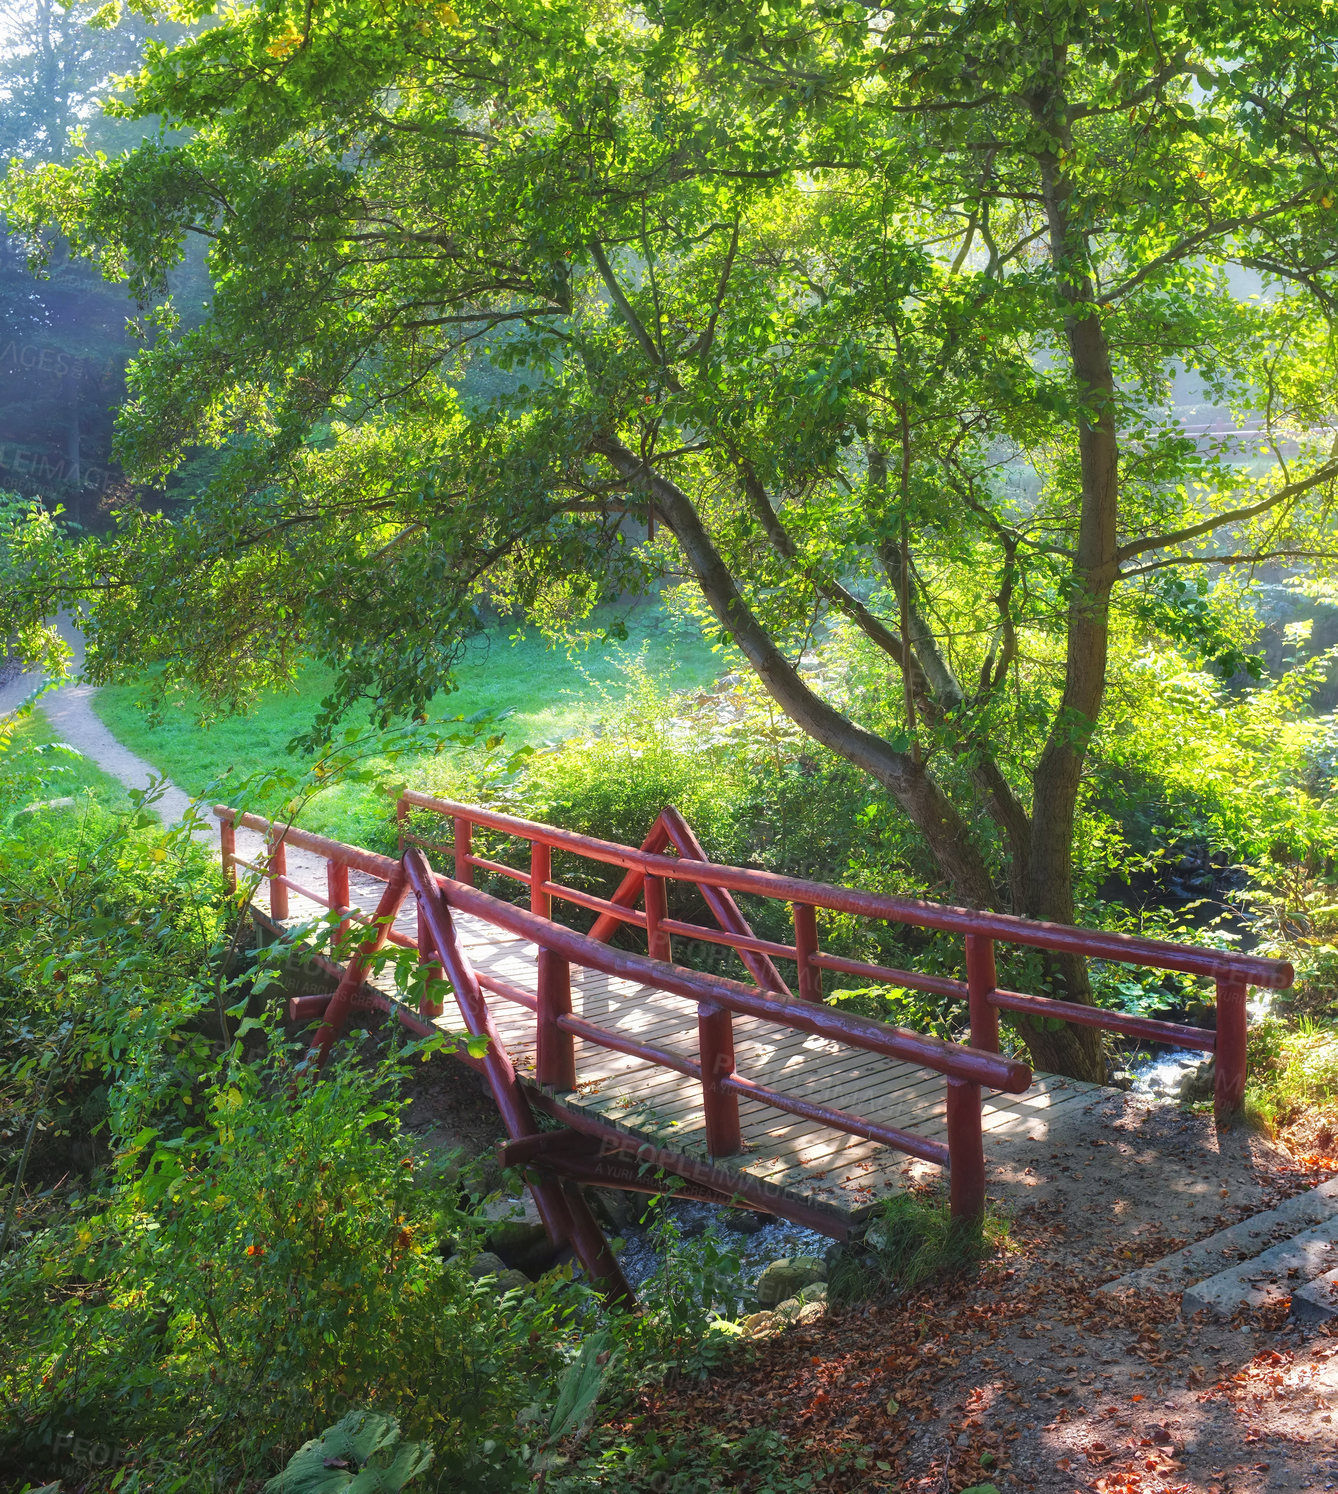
(580, 1388)
(362, 1454)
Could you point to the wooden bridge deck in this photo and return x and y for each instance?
(839, 1175)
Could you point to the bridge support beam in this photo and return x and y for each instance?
(564, 1211)
(341, 1003)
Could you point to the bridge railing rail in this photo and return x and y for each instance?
(648, 868)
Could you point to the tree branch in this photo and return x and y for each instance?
(625, 306)
(1235, 516)
(947, 833)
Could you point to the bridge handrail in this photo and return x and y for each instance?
(1131, 949)
(951, 1059)
(647, 869)
(964, 1069)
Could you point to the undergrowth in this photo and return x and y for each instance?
(911, 1240)
(1293, 1070)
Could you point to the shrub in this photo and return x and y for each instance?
(244, 1284)
(912, 1239)
(1292, 1069)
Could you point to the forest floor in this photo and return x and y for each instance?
(1021, 1374)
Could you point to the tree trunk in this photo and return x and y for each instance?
(1058, 774)
(927, 806)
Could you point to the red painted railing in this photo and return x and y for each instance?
(965, 1070)
(647, 869)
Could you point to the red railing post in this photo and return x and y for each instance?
(227, 845)
(966, 1151)
(278, 867)
(336, 883)
(541, 871)
(659, 945)
(805, 947)
(1232, 1025)
(464, 845)
(428, 1004)
(981, 979)
(715, 1041)
(555, 1058)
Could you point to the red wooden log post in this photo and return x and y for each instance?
(541, 871)
(1232, 1022)
(629, 889)
(720, 901)
(981, 980)
(659, 945)
(592, 1250)
(429, 1003)
(341, 1003)
(805, 947)
(966, 1151)
(227, 844)
(715, 1037)
(555, 1060)
(337, 894)
(278, 867)
(464, 844)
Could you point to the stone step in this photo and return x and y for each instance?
(1317, 1301)
(1237, 1244)
(1270, 1276)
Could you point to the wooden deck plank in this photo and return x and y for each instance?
(800, 1158)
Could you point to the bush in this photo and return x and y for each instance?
(911, 1240)
(243, 1284)
(209, 1259)
(1292, 1069)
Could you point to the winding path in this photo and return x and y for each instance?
(69, 709)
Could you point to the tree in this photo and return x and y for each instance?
(879, 317)
(63, 341)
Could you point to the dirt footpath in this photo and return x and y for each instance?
(1124, 1393)
(1025, 1377)
(69, 709)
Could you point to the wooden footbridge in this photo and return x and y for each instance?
(749, 1092)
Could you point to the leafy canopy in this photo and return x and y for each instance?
(887, 319)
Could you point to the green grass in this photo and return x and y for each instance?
(34, 768)
(911, 1240)
(550, 693)
(1292, 1069)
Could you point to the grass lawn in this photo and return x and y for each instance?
(34, 769)
(551, 695)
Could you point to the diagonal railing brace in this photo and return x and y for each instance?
(670, 828)
(564, 1211)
